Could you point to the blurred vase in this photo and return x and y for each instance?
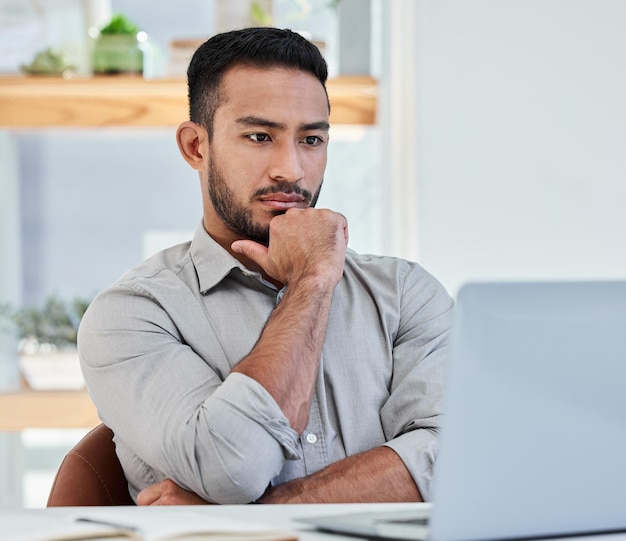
(58, 370)
(233, 14)
(117, 54)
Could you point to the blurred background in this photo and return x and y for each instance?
(498, 153)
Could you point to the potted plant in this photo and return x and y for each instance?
(48, 357)
(118, 48)
(49, 62)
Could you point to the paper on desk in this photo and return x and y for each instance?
(164, 524)
(36, 526)
(147, 523)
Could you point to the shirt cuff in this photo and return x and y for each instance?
(418, 450)
(247, 400)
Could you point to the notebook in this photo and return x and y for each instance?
(533, 442)
(131, 523)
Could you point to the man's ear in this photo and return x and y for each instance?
(193, 144)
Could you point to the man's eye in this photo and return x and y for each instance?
(313, 140)
(259, 137)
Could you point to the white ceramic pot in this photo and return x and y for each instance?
(59, 370)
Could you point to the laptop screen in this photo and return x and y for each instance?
(534, 435)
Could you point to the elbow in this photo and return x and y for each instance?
(235, 444)
(224, 472)
(236, 485)
(239, 476)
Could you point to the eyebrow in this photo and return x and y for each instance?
(258, 121)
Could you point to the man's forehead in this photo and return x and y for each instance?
(255, 121)
(265, 93)
(244, 72)
(247, 69)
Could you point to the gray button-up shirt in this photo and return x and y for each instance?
(157, 349)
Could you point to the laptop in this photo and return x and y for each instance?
(533, 442)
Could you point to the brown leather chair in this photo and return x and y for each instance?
(91, 474)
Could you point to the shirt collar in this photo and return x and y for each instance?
(212, 262)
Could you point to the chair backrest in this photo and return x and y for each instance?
(91, 474)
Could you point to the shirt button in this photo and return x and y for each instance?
(311, 438)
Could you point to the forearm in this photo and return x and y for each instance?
(306, 252)
(285, 360)
(377, 475)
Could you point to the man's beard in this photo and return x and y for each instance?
(239, 218)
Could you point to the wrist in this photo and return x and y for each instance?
(290, 492)
(315, 284)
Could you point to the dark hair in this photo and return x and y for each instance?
(256, 47)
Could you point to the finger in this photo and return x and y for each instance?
(173, 494)
(344, 221)
(252, 250)
(150, 494)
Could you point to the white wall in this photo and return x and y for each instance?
(522, 139)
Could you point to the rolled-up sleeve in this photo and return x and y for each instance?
(221, 436)
(238, 418)
(411, 416)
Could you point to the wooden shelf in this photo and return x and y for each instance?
(39, 102)
(46, 409)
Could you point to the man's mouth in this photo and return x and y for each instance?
(284, 201)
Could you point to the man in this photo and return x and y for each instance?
(264, 361)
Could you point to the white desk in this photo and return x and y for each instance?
(280, 517)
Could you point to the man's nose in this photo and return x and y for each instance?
(286, 163)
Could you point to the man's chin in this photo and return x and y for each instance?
(257, 234)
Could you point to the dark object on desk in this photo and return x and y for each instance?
(405, 525)
(91, 474)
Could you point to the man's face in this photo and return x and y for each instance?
(268, 152)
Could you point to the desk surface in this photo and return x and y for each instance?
(280, 517)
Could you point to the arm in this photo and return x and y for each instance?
(306, 253)
(400, 470)
(215, 431)
(377, 475)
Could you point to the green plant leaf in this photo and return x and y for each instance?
(120, 24)
(56, 322)
(259, 15)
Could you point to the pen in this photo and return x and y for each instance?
(115, 525)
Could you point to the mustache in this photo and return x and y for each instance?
(286, 188)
